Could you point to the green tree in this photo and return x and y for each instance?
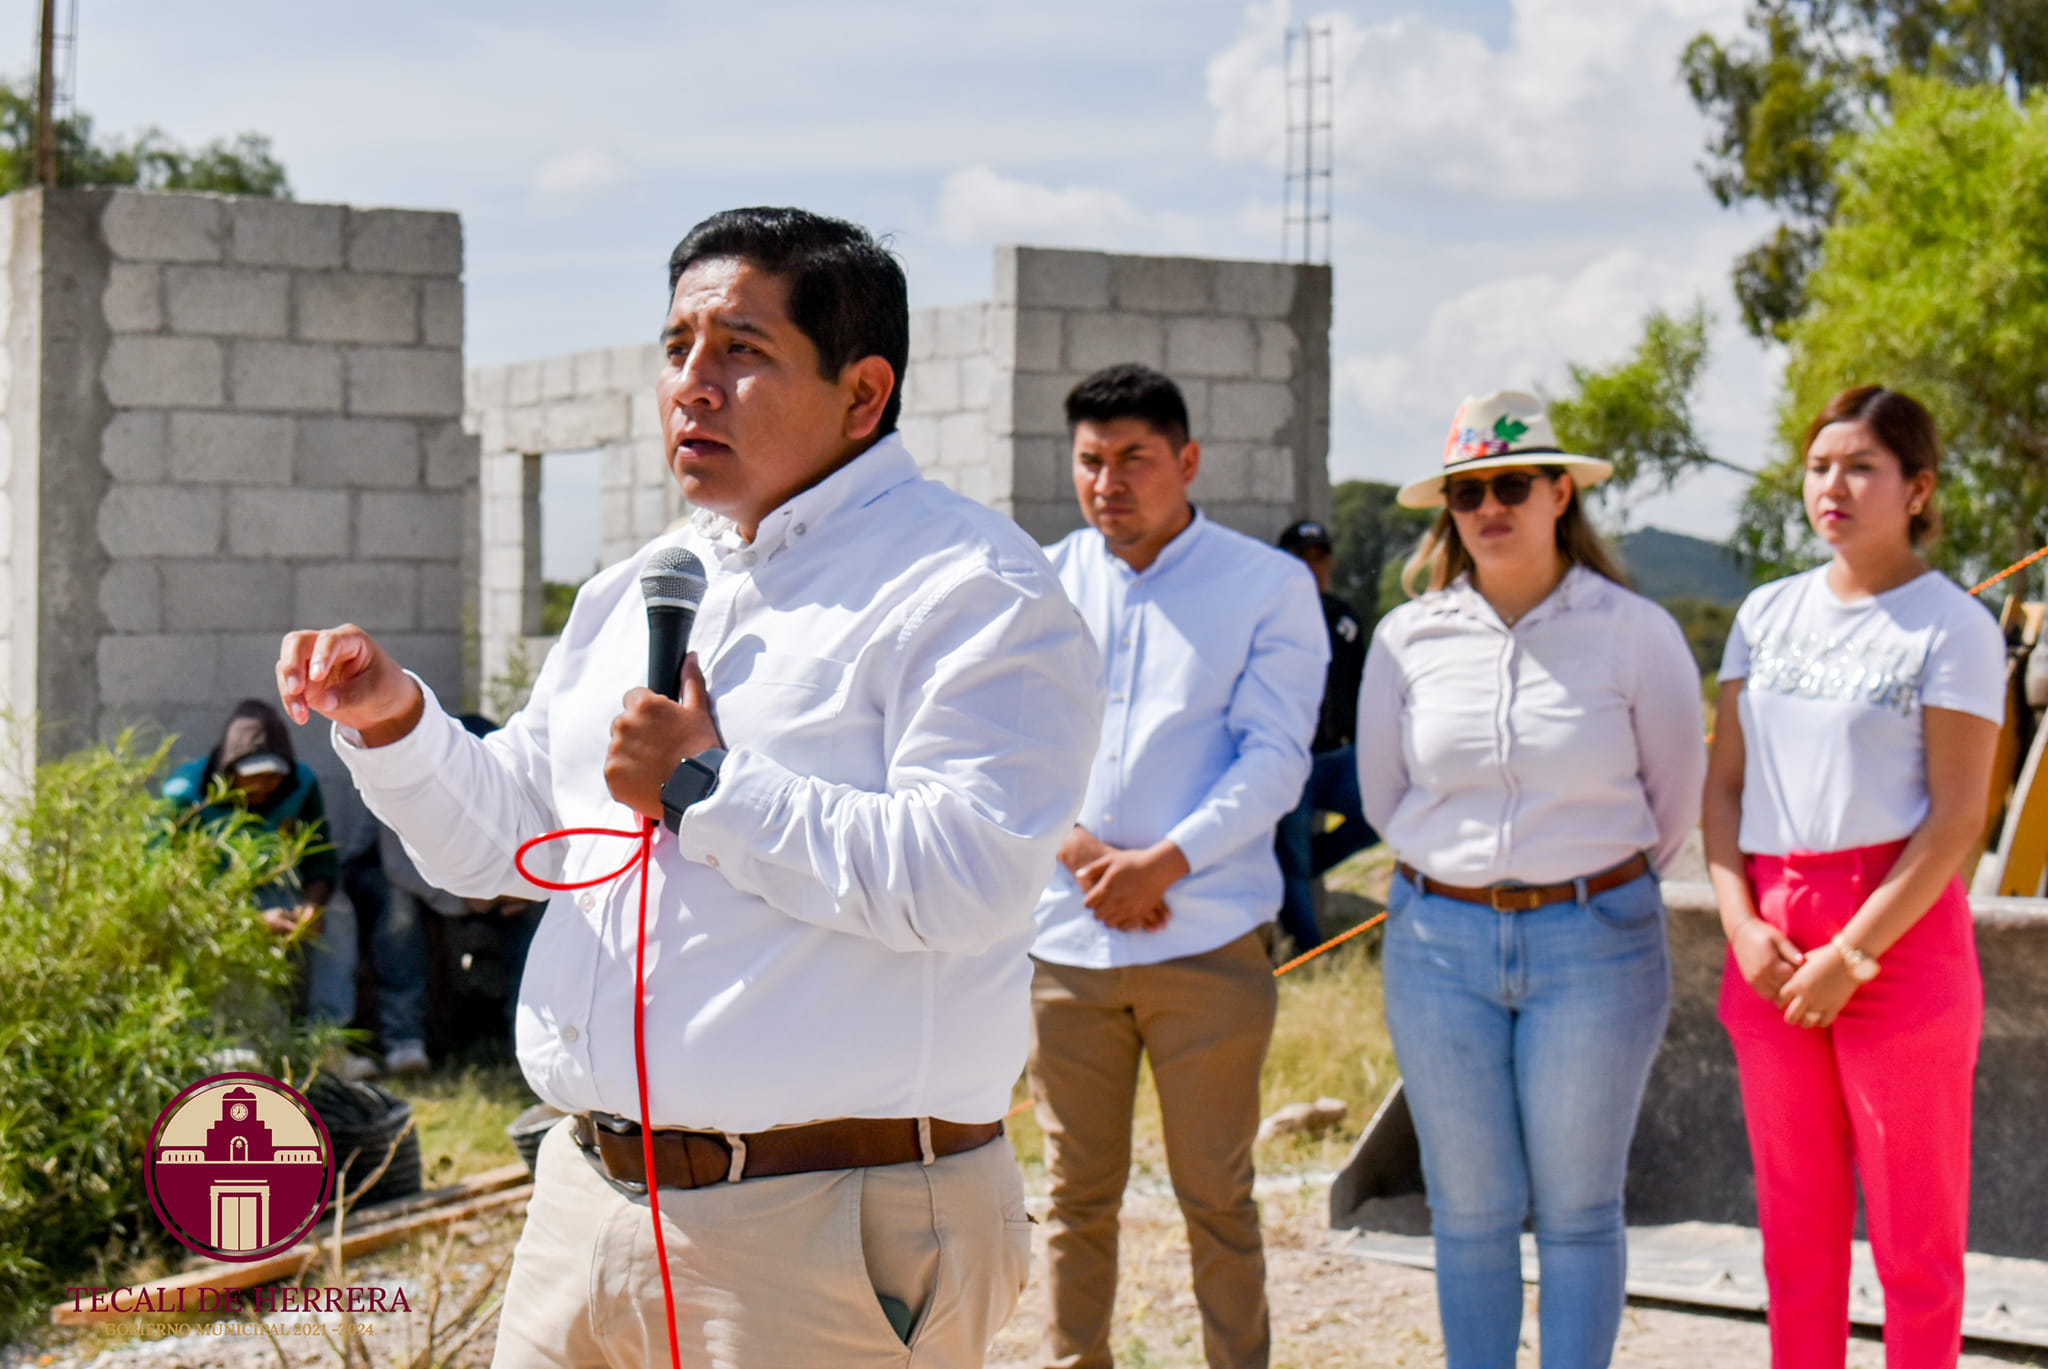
(1638, 414)
(241, 165)
(1933, 278)
(1370, 533)
(1806, 73)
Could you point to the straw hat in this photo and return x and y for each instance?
(1505, 428)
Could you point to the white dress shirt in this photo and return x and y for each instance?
(840, 929)
(1537, 753)
(1213, 659)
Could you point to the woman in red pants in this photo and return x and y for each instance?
(1860, 705)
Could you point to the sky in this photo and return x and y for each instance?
(1516, 180)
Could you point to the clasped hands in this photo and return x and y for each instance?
(1125, 889)
(343, 674)
(1811, 986)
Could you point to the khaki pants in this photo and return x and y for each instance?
(1204, 1021)
(780, 1273)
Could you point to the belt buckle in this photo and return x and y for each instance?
(1497, 892)
(624, 1128)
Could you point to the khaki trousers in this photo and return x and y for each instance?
(780, 1273)
(1204, 1021)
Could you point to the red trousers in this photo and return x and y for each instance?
(1881, 1096)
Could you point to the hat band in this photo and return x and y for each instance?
(1502, 456)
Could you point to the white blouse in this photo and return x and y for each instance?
(1537, 753)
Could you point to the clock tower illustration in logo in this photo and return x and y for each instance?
(239, 1166)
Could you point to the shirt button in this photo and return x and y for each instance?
(1112, 755)
(712, 861)
(569, 1033)
(1109, 817)
(586, 901)
(799, 530)
(1116, 698)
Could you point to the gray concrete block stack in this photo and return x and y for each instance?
(947, 392)
(600, 403)
(1248, 343)
(227, 417)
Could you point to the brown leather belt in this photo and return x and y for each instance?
(1520, 898)
(694, 1159)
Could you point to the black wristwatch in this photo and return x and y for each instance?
(693, 781)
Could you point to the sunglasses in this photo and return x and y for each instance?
(1510, 487)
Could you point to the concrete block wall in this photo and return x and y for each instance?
(1248, 343)
(229, 417)
(599, 402)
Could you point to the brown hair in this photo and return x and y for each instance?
(1903, 427)
(1440, 557)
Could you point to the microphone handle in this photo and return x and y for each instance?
(668, 641)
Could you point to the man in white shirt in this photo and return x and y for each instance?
(1153, 938)
(881, 741)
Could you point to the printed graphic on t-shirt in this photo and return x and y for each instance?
(1818, 665)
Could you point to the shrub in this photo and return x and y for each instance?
(130, 959)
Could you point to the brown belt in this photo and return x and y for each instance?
(1520, 898)
(693, 1159)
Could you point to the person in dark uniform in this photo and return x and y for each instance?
(1306, 850)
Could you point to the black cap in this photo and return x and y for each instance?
(1306, 533)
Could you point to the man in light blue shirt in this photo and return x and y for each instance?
(1153, 938)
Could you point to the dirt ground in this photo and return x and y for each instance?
(1330, 1310)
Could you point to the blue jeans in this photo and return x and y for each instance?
(1305, 853)
(1525, 1040)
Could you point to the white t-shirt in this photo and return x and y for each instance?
(1835, 756)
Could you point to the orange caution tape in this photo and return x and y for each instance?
(2012, 569)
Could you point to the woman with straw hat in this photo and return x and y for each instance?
(1530, 742)
(1859, 712)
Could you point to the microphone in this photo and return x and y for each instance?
(673, 585)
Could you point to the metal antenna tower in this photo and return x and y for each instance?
(1310, 63)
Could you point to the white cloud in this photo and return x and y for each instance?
(579, 180)
(1583, 102)
(978, 204)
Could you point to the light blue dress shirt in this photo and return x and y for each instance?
(1213, 663)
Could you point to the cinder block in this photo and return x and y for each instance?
(615, 466)
(291, 523)
(1276, 351)
(963, 330)
(1251, 410)
(378, 595)
(283, 233)
(1041, 469)
(1051, 278)
(1211, 347)
(1271, 476)
(650, 514)
(486, 387)
(932, 387)
(1024, 339)
(558, 377)
(424, 382)
(441, 589)
(134, 446)
(1032, 404)
(160, 520)
(131, 596)
(592, 371)
(522, 383)
(924, 334)
(1098, 340)
(635, 366)
(248, 667)
(227, 301)
(1195, 393)
(352, 307)
(1225, 475)
(964, 441)
(451, 456)
(435, 658)
(133, 302)
(157, 668)
(162, 372)
(1259, 289)
(441, 313)
(156, 225)
(292, 376)
(226, 596)
(358, 452)
(1047, 521)
(405, 242)
(1162, 285)
(643, 413)
(231, 449)
(976, 376)
(408, 525)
